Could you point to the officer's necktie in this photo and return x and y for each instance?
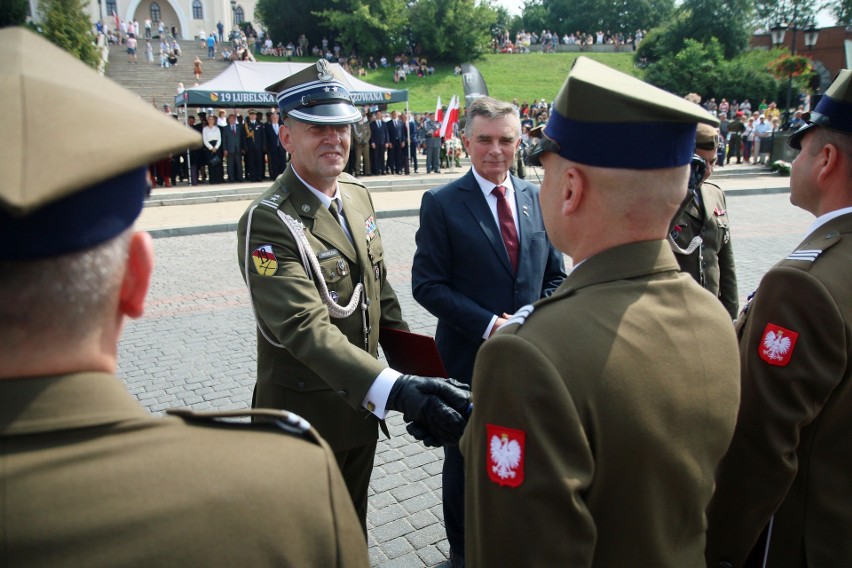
(335, 211)
(507, 225)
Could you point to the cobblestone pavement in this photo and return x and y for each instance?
(196, 347)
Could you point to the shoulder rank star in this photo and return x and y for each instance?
(776, 345)
(506, 452)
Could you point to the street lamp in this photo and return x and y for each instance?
(777, 32)
(811, 35)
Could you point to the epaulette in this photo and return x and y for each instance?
(520, 317)
(817, 244)
(346, 178)
(281, 419)
(274, 199)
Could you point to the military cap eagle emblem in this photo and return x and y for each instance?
(324, 71)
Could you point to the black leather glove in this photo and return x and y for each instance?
(438, 406)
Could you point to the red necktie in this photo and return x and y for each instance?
(507, 225)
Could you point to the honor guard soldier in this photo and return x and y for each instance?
(701, 233)
(313, 259)
(787, 472)
(88, 476)
(593, 421)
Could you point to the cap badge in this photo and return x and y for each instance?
(324, 71)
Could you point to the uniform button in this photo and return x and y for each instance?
(343, 392)
(831, 235)
(301, 384)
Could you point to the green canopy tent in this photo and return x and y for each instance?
(243, 85)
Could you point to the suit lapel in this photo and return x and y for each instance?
(524, 206)
(475, 202)
(356, 215)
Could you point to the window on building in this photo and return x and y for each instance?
(239, 15)
(197, 10)
(110, 7)
(155, 12)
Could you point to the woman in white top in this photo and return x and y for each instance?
(212, 138)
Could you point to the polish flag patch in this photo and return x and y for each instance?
(506, 453)
(776, 345)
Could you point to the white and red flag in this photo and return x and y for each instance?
(450, 117)
(439, 117)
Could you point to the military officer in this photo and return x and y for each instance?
(255, 144)
(701, 233)
(580, 428)
(788, 468)
(88, 476)
(313, 259)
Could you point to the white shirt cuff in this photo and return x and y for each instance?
(377, 396)
(490, 327)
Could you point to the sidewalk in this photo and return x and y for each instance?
(393, 196)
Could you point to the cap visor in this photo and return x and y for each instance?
(795, 141)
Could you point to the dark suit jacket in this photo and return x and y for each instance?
(396, 132)
(378, 133)
(231, 142)
(462, 273)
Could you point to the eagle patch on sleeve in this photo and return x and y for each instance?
(506, 452)
(776, 345)
(264, 260)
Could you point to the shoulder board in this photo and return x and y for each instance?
(817, 244)
(520, 317)
(346, 178)
(274, 198)
(280, 419)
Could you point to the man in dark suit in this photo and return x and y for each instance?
(413, 143)
(277, 156)
(397, 136)
(232, 145)
(378, 142)
(254, 144)
(480, 256)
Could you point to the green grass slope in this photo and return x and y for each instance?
(527, 77)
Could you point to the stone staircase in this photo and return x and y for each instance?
(155, 84)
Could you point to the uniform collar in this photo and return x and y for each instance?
(78, 400)
(823, 219)
(623, 262)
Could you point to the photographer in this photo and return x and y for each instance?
(701, 236)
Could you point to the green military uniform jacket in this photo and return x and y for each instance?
(89, 478)
(620, 394)
(790, 455)
(711, 264)
(307, 362)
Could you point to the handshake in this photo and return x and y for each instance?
(436, 410)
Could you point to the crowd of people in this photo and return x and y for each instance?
(549, 40)
(604, 415)
(746, 132)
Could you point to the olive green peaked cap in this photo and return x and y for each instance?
(602, 117)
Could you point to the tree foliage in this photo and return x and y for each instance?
(589, 16)
(701, 20)
(772, 12)
(842, 11)
(452, 30)
(65, 24)
(369, 27)
(284, 20)
(13, 13)
(702, 69)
